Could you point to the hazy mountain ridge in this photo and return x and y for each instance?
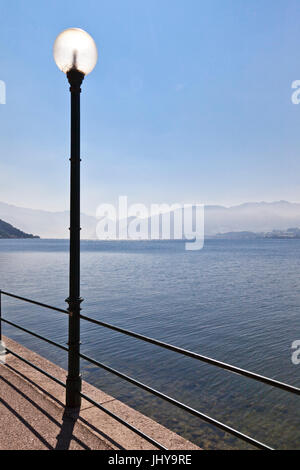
(8, 231)
(47, 224)
(291, 233)
(254, 217)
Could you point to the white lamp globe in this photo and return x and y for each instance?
(75, 49)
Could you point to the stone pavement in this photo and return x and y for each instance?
(33, 417)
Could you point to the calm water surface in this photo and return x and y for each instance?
(236, 301)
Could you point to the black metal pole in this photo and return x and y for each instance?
(73, 385)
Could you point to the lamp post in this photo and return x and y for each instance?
(75, 54)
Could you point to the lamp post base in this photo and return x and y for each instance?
(73, 383)
(73, 389)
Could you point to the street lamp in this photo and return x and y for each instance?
(75, 54)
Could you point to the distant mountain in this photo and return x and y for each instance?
(8, 231)
(239, 236)
(291, 234)
(254, 217)
(46, 224)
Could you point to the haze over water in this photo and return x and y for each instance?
(235, 301)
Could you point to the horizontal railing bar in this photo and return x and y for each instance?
(185, 352)
(36, 367)
(120, 420)
(177, 403)
(32, 333)
(173, 348)
(35, 302)
(87, 398)
(199, 357)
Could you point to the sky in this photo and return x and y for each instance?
(190, 102)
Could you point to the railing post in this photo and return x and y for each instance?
(73, 385)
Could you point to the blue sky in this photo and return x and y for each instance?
(190, 102)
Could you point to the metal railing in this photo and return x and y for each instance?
(157, 393)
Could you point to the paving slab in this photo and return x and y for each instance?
(33, 416)
(29, 421)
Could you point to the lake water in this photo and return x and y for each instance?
(235, 301)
